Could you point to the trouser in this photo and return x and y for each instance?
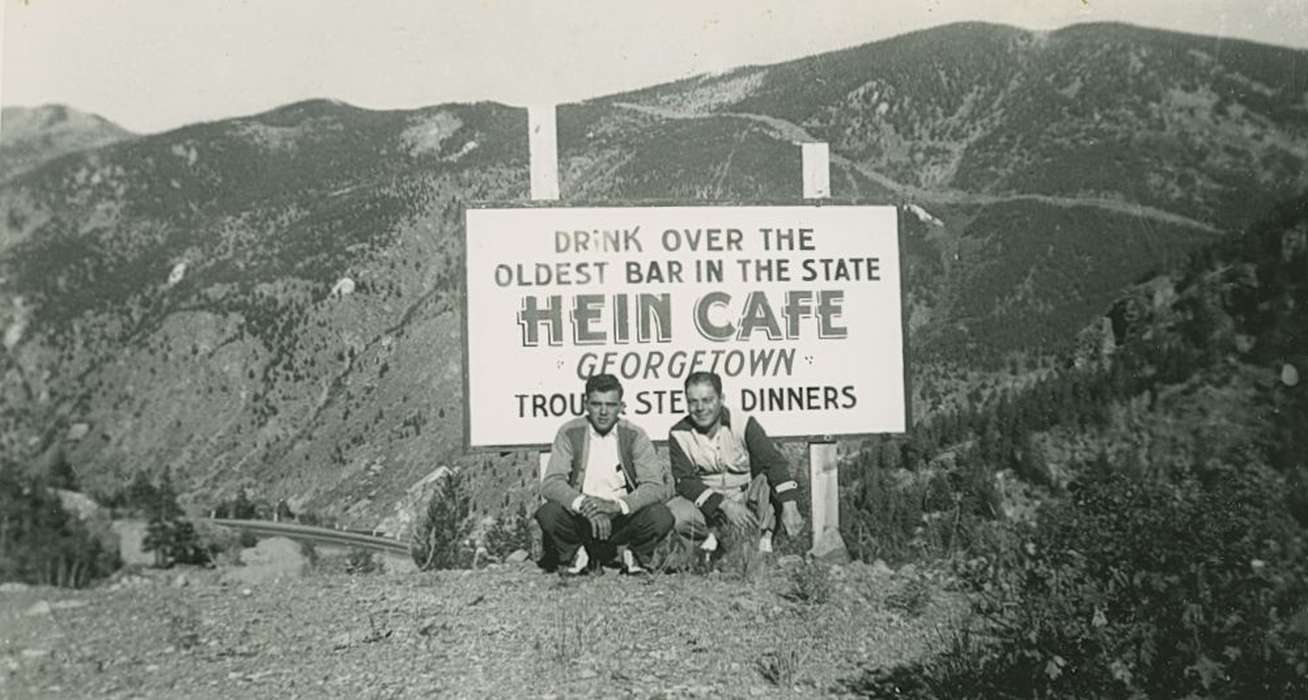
(691, 526)
(565, 531)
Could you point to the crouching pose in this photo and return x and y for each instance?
(727, 470)
(603, 488)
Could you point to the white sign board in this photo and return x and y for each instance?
(796, 307)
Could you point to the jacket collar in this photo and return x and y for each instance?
(592, 433)
(724, 420)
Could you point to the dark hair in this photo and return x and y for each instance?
(602, 383)
(710, 378)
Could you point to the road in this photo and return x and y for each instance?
(316, 535)
(789, 131)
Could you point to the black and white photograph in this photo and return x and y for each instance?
(580, 349)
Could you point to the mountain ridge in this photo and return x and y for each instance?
(32, 136)
(275, 300)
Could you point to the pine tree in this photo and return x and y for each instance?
(141, 493)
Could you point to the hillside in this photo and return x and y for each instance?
(30, 136)
(273, 301)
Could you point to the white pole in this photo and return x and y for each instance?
(817, 170)
(543, 148)
(823, 487)
(823, 481)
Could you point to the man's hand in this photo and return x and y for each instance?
(739, 515)
(600, 526)
(592, 506)
(791, 519)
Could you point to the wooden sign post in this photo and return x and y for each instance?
(543, 153)
(823, 484)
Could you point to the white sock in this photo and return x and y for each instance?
(579, 562)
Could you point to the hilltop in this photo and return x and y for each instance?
(30, 136)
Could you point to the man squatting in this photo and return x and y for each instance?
(722, 465)
(603, 488)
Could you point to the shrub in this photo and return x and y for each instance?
(911, 597)
(905, 516)
(511, 532)
(440, 540)
(737, 553)
(360, 561)
(810, 583)
(1142, 588)
(781, 668)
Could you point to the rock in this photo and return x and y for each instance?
(273, 559)
(401, 521)
(131, 535)
(35, 653)
(829, 547)
(908, 571)
(13, 587)
(343, 287)
(392, 563)
(1289, 375)
(344, 640)
(70, 604)
(517, 557)
(40, 607)
(746, 605)
(789, 560)
(180, 581)
(880, 568)
(246, 592)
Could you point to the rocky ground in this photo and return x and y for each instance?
(505, 631)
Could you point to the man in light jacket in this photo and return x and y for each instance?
(603, 488)
(727, 471)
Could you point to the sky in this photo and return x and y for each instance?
(153, 65)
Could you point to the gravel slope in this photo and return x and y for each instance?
(508, 631)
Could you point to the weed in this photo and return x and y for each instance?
(810, 583)
(911, 597)
(781, 668)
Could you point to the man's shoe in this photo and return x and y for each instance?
(580, 564)
(631, 566)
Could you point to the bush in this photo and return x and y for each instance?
(810, 583)
(511, 532)
(40, 542)
(1141, 588)
(911, 597)
(441, 540)
(360, 561)
(900, 516)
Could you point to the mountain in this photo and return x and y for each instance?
(274, 300)
(30, 136)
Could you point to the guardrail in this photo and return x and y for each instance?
(321, 535)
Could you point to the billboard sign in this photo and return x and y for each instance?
(798, 308)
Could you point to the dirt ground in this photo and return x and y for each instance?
(504, 631)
